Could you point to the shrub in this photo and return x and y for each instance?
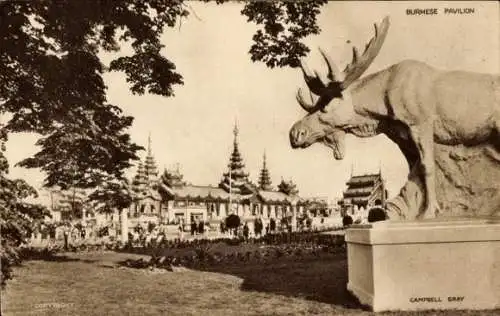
(347, 220)
(203, 252)
(376, 214)
(233, 222)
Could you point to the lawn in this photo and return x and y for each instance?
(96, 284)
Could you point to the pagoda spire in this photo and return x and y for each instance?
(150, 169)
(236, 179)
(235, 131)
(264, 178)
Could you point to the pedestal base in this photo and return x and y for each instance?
(433, 264)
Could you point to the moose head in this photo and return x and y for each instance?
(332, 109)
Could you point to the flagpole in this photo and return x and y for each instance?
(230, 190)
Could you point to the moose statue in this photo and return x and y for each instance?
(446, 124)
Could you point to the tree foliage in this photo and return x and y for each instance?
(376, 214)
(51, 80)
(18, 218)
(51, 76)
(51, 83)
(110, 196)
(347, 220)
(283, 24)
(233, 221)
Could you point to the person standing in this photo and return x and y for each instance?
(272, 225)
(222, 228)
(201, 228)
(181, 232)
(257, 227)
(66, 236)
(193, 227)
(245, 231)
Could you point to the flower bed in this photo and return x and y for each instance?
(225, 251)
(314, 237)
(204, 258)
(211, 253)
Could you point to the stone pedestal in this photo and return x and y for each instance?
(432, 264)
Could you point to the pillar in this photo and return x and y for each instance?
(294, 217)
(124, 225)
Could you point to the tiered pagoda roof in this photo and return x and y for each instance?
(145, 180)
(172, 178)
(277, 197)
(288, 187)
(150, 170)
(236, 180)
(265, 178)
(235, 184)
(140, 178)
(362, 188)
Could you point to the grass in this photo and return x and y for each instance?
(95, 284)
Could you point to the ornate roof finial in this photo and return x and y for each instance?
(235, 130)
(151, 170)
(149, 143)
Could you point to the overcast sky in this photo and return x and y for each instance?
(222, 85)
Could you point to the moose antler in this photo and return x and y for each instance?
(340, 81)
(309, 107)
(359, 64)
(315, 84)
(333, 72)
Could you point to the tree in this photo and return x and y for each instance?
(51, 84)
(18, 218)
(376, 214)
(51, 76)
(52, 81)
(111, 196)
(347, 221)
(284, 25)
(233, 222)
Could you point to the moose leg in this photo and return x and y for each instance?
(423, 136)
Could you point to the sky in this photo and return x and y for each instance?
(222, 85)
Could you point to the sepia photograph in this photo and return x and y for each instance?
(176, 157)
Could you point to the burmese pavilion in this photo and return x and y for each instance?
(169, 199)
(362, 193)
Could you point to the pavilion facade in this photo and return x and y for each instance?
(169, 199)
(362, 193)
